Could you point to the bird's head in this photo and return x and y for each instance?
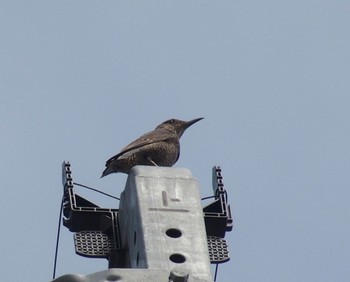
(177, 126)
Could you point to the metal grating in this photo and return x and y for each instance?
(218, 250)
(92, 244)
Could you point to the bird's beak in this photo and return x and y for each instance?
(189, 123)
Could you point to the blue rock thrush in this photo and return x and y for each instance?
(160, 147)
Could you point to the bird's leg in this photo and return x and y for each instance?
(151, 161)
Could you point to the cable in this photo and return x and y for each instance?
(98, 191)
(57, 240)
(216, 272)
(209, 197)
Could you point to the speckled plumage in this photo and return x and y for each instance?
(159, 147)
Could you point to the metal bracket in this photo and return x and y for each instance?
(97, 231)
(218, 220)
(217, 215)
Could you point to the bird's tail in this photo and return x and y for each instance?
(107, 171)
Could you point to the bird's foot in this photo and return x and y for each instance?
(151, 161)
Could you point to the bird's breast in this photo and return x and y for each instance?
(163, 153)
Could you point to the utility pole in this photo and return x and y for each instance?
(160, 232)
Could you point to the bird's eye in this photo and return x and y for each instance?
(171, 121)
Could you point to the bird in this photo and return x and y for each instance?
(160, 147)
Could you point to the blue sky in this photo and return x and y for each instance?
(81, 79)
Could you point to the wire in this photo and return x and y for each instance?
(57, 240)
(209, 197)
(216, 272)
(98, 191)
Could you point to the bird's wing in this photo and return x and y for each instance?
(146, 139)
